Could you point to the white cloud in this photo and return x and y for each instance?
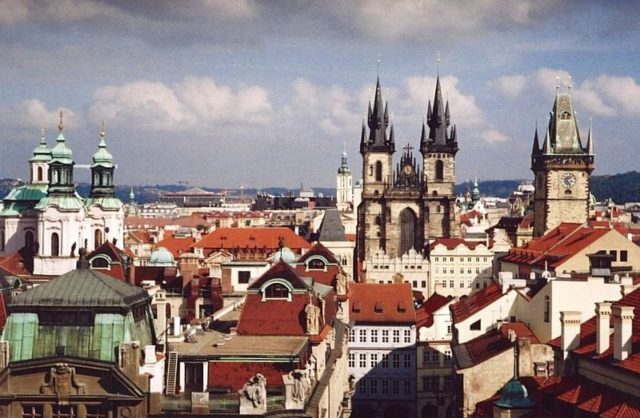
(193, 103)
(612, 92)
(17, 11)
(32, 114)
(493, 136)
(509, 86)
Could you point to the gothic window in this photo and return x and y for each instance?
(565, 115)
(439, 170)
(28, 240)
(39, 173)
(378, 171)
(55, 244)
(97, 238)
(407, 230)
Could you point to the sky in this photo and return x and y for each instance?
(221, 93)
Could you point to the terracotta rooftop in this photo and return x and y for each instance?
(587, 347)
(382, 303)
(176, 245)
(267, 238)
(491, 344)
(424, 314)
(557, 245)
(453, 243)
(468, 306)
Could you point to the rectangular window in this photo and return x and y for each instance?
(396, 335)
(396, 361)
(352, 360)
(385, 387)
(32, 411)
(374, 360)
(451, 259)
(461, 270)
(374, 335)
(407, 361)
(451, 284)
(624, 255)
(415, 284)
(395, 387)
(447, 356)
(407, 335)
(448, 329)
(385, 361)
(435, 356)
(426, 358)
(363, 335)
(244, 276)
(614, 254)
(407, 386)
(352, 336)
(430, 383)
(64, 411)
(373, 387)
(436, 270)
(446, 384)
(424, 284)
(362, 386)
(461, 284)
(385, 335)
(363, 360)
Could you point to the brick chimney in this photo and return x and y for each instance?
(622, 328)
(603, 331)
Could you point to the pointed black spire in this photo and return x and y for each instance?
(392, 140)
(378, 122)
(439, 119)
(536, 143)
(423, 136)
(363, 137)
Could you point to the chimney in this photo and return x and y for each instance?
(570, 328)
(603, 316)
(622, 327)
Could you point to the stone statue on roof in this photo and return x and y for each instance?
(255, 392)
(341, 283)
(312, 315)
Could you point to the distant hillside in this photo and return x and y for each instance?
(621, 188)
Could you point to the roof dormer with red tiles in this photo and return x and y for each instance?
(320, 264)
(277, 304)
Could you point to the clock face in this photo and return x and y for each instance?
(407, 169)
(568, 180)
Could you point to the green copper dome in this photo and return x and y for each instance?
(61, 152)
(41, 152)
(514, 396)
(161, 257)
(102, 157)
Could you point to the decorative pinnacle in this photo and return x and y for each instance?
(378, 65)
(570, 83)
(61, 124)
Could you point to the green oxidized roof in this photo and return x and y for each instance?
(64, 203)
(41, 152)
(514, 395)
(106, 203)
(82, 288)
(102, 157)
(23, 198)
(61, 152)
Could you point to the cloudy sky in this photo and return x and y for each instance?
(222, 93)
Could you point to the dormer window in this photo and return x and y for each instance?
(276, 291)
(316, 264)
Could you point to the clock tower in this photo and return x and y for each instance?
(562, 169)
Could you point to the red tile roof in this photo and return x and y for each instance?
(453, 243)
(321, 250)
(587, 347)
(176, 246)
(192, 221)
(557, 245)
(494, 342)
(475, 302)
(14, 264)
(382, 303)
(267, 238)
(424, 314)
(142, 236)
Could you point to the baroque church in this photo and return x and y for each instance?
(47, 222)
(562, 167)
(403, 209)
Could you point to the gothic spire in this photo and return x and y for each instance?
(563, 126)
(590, 142)
(536, 143)
(378, 122)
(437, 121)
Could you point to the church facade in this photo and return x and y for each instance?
(48, 222)
(405, 208)
(562, 168)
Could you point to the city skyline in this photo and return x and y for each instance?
(268, 93)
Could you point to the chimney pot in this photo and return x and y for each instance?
(603, 331)
(622, 330)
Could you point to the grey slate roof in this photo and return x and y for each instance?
(82, 288)
(331, 228)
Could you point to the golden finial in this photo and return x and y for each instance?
(61, 124)
(102, 130)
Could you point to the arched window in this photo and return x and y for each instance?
(39, 173)
(97, 238)
(28, 240)
(439, 170)
(276, 291)
(55, 244)
(100, 263)
(378, 171)
(407, 230)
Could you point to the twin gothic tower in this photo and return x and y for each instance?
(403, 209)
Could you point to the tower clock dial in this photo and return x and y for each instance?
(568, 180)
(408, 169)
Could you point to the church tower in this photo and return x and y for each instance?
(562, 169)
(377, 148)
(344, 186)
(439, 150)
(40, 163)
